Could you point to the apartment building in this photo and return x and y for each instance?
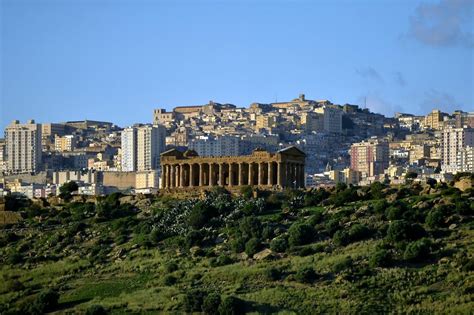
(65, 144)
(370, 158)
(23, 147)
(454, 140)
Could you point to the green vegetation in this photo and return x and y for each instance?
(375, 249)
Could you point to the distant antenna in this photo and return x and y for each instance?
(365, 102)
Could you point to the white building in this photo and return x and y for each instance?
(465, 159)
(23, 147)
(453, 142)
(141, 147)
(222, 146)
(129, 150)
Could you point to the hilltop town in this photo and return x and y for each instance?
(342, 143)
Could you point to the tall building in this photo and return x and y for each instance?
(3, 161)
(65, 144)
(129, 150)
(370, 158)
(332, 119)
(465, 159)
(222, 146)
(454, 140)
(23, 147)
(434, 120)
(141, 147)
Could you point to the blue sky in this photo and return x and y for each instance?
(117, 60)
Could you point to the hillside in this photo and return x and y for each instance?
(377, 249)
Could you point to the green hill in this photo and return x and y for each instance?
(357, 250)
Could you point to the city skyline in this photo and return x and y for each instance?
(118, 62)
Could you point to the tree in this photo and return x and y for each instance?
(231, 306)
(300, 234)
(380, 258)
(306, 275)
(418, 250)
(67, 189)
(252, 246)
(279, 244)
(211, 303)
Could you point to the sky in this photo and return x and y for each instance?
(117, 60)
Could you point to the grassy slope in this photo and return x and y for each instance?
(136, 283)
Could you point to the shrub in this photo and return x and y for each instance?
(418, 251)
(250, 227)
(394, 212)
(171, 267)
(403, 231)
(272, 274)
(246, 192)
(252, 246)
(193, 300)
(376, 190)
(341, 238)
(435, 218)
(222, 260)
(169, 280)
(343, 264)
(46, 300)
(305, 275)
(238, 245)
(279, 244)
(380, 258)
(14, 258)
(200, 214)
(211, 302)
(358, 232)
(300, 234)
(231, 306)
(96, 310)
(464, 208)
(194, 238)
(380, 206)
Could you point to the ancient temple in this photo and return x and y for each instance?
(186, 170)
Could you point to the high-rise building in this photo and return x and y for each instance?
(370, 158)
(3, 160)
(434, 120)
(65, 144)
(23, 147)
(332, 119)
(141, 147)
(129, 150)
(222, 146)
(453, 141)
(465, 159)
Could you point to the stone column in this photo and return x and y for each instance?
(270, 174)
(241, 174)
(201, 174)
(221, 174)
(172, 177)
(163, 176)
(181, 175)
(231, 179)
(251, 174)
(282, 174)
(211, 174)
(191, 175)
(260, 173)
(302, 176)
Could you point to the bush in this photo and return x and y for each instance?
(279, 244)
(200, 215)
(96, 310)
(171, 267)
(380, 258)
(435, 218)
(272, 274)
(46, 301)
(358, 232)
(238, 245)
(194, 238)
(211, 302)
(193, 300)
(169, 280)
(300, 234)
(252, 246)
(231, 306)
(418, 251)
(403, 231)
(343, 264)
(246, 192)
(305, 275)
(341, 238)
(250, 227)
(222, 260)
(14, 258)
